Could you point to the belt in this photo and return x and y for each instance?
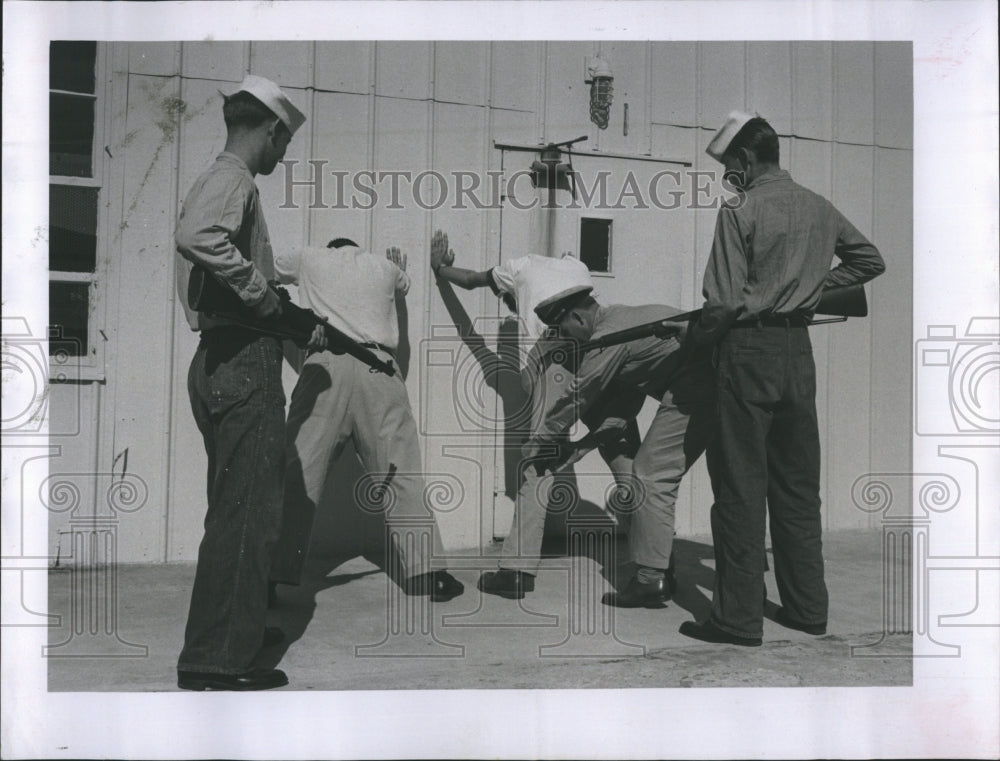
(369, 345)
(791, 320)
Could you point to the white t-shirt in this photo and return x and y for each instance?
(530, 280)
(356, 290)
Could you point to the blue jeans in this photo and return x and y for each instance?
(765, 459)
(239, 406)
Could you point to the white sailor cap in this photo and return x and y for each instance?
(268, 93)
(724, 137)
(552, 310)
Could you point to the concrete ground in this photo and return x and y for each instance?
(349, 628)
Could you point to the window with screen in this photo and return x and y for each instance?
(74, 195)
(595, 244)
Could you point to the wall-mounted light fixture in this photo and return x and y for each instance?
(551, 172)
(600, 79)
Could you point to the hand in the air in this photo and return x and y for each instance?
(441, 255)
(394, 256)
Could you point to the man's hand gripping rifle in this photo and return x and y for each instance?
(206, 294)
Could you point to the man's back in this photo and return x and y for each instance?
(531, 279)
(354, 289)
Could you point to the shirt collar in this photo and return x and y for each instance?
(773, 176)
(232, 158)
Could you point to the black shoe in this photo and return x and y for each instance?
(639, 595)
(272, 594)
(507, 583)
(273, 636)
(706, 631)
(440, 585)
(257, 679)
(781, 616)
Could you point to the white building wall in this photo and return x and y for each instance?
(844, 111)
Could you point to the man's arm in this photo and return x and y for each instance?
(725, 283)
(205, 232)
(597, 373)
(441, 263)
(860, 261)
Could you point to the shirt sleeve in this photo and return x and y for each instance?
(288, 266)
(596, 374)
(502, 277)
(860, 261)
(725, 286)
(208, 225)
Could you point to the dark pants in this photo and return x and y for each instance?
(239, 406)
(765, 459)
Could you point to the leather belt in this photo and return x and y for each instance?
(369, 345)
(791, 320)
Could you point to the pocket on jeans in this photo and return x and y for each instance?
(231, 378)
(755, 377)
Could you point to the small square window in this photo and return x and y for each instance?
(71, 66)
(595, 244)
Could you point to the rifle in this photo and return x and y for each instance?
(206, 294)
(842, 301)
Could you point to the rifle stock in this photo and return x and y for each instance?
(206, 294)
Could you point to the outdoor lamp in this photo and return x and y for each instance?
(600, 91)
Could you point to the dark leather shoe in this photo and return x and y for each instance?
(507, 583)
(257, 679)
(781, 616)
(706, 631)
(273, 636)
(639, 595)
(440, 585)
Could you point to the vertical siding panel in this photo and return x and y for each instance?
(214, 60)
(402, 69)
(460, 72)
(769, 83)
(810, 163)
(854, 92)
(812, 90)
(628, 64)
(894, 94)
(891, 302)
(341, 139)
(567, 98)
(343, 66)
(156, 58)
(721, 81)
(674, 94)
(850, 354)
(514, 75)
(288, 64)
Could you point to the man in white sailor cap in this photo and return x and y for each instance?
(522, 283)
(770, 260)
(234, 384)
(677, 376)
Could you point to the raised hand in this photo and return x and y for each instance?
(393, 255)
(441, 255)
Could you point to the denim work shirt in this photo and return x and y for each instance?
(772, 254)
(222, 228)
(651, 365)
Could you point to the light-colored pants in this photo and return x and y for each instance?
(337, 398)
(613, 416)
(676, 438)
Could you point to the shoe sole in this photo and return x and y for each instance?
(613, 602)
(212, 686)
